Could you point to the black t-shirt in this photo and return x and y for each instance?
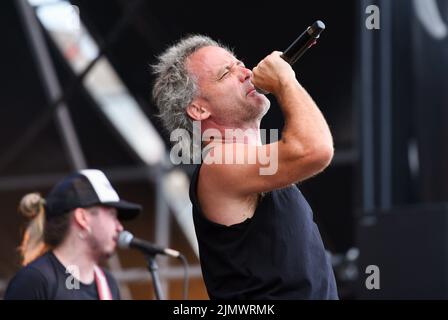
(46, 279)
(276, 254)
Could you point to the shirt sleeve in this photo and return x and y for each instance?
(27, 284)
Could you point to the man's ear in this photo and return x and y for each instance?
(81, 218)
(197, 112)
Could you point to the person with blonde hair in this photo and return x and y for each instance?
(33, 246)
(72, 231)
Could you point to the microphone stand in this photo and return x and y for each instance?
(152, 267)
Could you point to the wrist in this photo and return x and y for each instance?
(288, 86)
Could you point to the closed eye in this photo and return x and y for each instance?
(228, 69)
(224, 74)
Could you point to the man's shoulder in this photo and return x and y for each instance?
(39, 266)
(30, 272)
(30, 282)
(42, 265)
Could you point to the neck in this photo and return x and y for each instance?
(74, 252)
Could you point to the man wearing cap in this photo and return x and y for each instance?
(72, 231)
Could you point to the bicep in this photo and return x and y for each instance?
(264, 168)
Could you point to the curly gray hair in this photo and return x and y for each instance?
(175, 87)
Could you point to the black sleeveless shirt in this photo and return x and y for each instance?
(276, 254)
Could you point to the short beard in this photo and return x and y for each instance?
(98, 254)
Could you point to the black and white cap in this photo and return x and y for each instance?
(87, 188)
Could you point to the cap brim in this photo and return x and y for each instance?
(126, 210)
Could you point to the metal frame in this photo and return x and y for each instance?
(376, 179)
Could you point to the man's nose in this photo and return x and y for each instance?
(245, 74)
(119, 226)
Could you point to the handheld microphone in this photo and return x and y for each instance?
(305, 41)
(127, 240)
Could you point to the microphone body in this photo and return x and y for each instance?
(305, 41)
(127, 240)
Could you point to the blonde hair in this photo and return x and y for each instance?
(33, 244)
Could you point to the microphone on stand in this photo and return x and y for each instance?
(127, 240)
